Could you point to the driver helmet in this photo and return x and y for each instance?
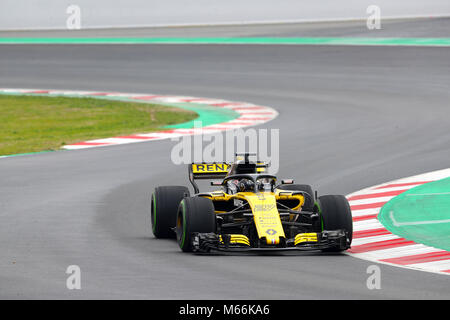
(246, 185)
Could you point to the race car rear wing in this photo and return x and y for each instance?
(203, 171)
(198, 171)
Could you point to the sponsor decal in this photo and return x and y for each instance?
(210, 168)
(264, 207)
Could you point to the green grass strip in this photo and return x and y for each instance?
(205, 114)
(41, 123)
(443, 42)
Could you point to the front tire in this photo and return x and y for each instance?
(335, 214)
(164, 209)
(195, 214)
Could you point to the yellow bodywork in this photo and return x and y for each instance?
(237, 238)
(264, 209)
(305, 237)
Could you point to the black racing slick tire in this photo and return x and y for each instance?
(195, 214)
(335, 214)
(309, 201)
(164, 209)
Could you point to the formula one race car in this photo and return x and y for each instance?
(249, 212)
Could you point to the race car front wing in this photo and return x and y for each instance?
(336, 239)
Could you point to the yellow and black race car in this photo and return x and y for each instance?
(249, 212)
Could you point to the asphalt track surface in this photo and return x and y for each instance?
(350, 117)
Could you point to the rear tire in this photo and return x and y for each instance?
(309, 201)
(335, 214)
(195, 214)
(164, 209)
